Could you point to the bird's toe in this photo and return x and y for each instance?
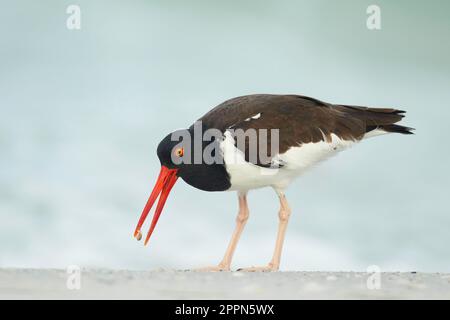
(268, 268)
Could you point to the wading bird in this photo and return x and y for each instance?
(305, 131)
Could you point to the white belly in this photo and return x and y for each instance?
(296, 160)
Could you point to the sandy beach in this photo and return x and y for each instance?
(169, 284)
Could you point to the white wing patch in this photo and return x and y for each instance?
(255, 117)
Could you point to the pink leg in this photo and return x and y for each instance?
(283, 215)
(241, 219)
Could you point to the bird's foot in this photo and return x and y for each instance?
(269, 268)
(217, 268)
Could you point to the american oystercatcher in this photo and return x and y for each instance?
(259, 141)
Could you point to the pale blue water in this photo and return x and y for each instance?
(82, 113)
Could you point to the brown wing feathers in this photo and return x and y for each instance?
(302, 119)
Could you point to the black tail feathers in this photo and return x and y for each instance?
(392, 128)
(398, 129)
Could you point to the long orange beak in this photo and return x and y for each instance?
(166, 179)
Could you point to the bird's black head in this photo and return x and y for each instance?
(196, 160)
(185, 154)
(171, 150)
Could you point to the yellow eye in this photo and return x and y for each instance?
(179, 152)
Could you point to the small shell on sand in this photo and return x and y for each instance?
(139, 236)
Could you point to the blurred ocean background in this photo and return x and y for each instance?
(82, 112)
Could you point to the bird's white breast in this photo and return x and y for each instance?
(295, 161)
